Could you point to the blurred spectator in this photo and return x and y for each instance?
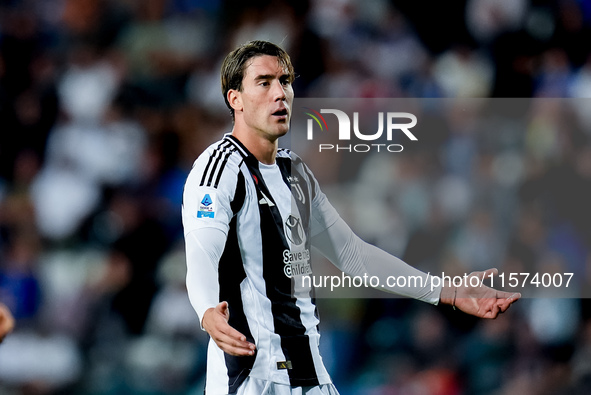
(95, 23)
(161, 50)
(486, 19)
(555, 75)
(462, 72)
(573, 28)
(99, 145)
(129, 280)
(87, 86)
(485, 356)
(22, 368)
(515, 56)
(28, 104)
(19, 282)
(6, 322)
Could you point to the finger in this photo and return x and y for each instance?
(235, 351)
(232, 346)
(506, 303)
(503, 294)
(232, 337)
(493, 312)
(237, 345)
(232, 333)
(509, 296)
(514, 297)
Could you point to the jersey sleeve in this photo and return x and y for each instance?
(206, 212)
(204, 248)
(355, 257)
(205, 204)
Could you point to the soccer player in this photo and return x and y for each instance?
(251, 213)
(6, 321)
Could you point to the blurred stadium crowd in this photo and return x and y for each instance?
(105, 104)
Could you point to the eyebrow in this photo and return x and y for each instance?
(270, 77)
(264, 77)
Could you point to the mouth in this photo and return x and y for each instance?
(281, 113)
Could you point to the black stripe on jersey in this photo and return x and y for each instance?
(240, 194)
(221, 169)
(285, 167)
(280, 288)
(313, 191)
(229, 145)
(230, 275)
(217, 152)
(241, 148)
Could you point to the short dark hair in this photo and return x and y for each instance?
(232, 72)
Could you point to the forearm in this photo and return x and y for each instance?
(356, 257)
(203, 249)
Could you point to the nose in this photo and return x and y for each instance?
(278, 91)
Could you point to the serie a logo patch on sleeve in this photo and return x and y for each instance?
(207, 206)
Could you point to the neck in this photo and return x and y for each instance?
(264, 149)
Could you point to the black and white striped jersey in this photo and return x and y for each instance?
(248, 229)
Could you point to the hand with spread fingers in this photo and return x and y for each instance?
(6, 321)
(480, 301)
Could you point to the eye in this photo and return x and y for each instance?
(264, 83)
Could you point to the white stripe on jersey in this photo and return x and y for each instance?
(217, 373)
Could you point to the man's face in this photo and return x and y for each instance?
(266, 97)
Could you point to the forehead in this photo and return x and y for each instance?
(263, 65)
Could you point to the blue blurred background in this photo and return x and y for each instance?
(105, 104)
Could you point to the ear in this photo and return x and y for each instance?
(235, 99)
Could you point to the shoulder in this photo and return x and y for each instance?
(212, 185)
(287, 154)
(295, 161)
(217, 165)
